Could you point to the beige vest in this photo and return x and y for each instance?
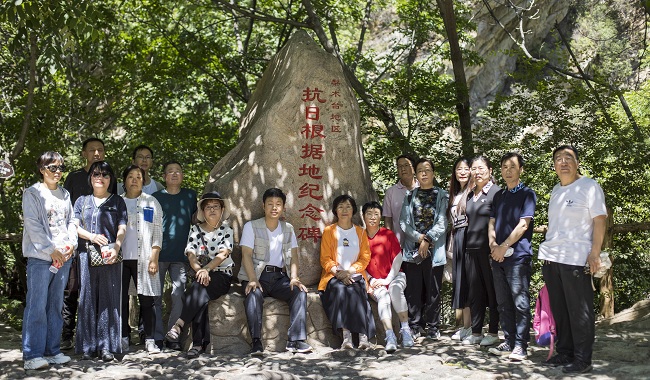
(261, 254)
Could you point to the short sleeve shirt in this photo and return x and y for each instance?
(204, 243)
(508, 208)
(393, 200)
(103, 219)
(275, 243)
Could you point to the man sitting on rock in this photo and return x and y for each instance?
(269, 251)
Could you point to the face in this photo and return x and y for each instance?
(511, 171)
(424, 173)
(100, 180)
(481, 172)
(134, 181)
(565, 163)
(405, 170)
(93, 152)
(143, 159)
(173, 175)
(344, 211)
(462, 173)
(273, 207)
(212, 210)
(371, 217)
(52, 172)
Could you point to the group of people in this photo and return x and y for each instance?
(88, 241)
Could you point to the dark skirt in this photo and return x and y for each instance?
(347, 307)
(99, 326)
(459, 273)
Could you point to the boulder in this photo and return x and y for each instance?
(300, 132)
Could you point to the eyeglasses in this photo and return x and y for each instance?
(479, 170)
(55, 168)
(561, 159)
(213, 208)
(102, 174)
(143, 158)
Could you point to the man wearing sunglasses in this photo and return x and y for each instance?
(76, 183)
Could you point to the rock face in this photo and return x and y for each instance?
(300, 132)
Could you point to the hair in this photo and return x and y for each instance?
(171, 162)
(46, 159)
(128, 169)
(371, 205)
(141, 147)
(509, 155)
(487, 161)
(406, 156)
(89, 140)
(274, 192)
(455, 189)
(101, 166)
(422, 160)
(565, 147)
(342, 198)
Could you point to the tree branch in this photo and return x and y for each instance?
(254, 14)
(29, 106)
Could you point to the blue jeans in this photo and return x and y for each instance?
(511, 285)
(178, 276)
(42, 320)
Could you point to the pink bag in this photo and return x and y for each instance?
(543, 322)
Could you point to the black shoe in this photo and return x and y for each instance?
(174, 346)
(195, 352)
(66, 344)
(107, 356)
(143, 337)
(88, 356)
(258, 348)
(298, 346)
(433, 333)
(558, 360)
(577, 367)
(160, 344)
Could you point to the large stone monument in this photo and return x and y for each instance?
(300, 132)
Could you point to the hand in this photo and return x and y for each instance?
(342, 274)
(296, 282)
(153, 267)
(498, 253)
(99, 239)
(57, 258)
(203, 276)
(594, 262)
(423, 249)
(378, 283)
(68, 254)
(252, 285)
(112, 257)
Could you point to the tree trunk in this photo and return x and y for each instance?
(462, 93)
(607, 281)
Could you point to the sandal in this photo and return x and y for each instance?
(174, 333)
(194, 352)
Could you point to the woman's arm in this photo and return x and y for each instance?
(328, 250)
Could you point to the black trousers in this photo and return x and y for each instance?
(276, 285)
(130, 270)
(195, 305)
(481, 290)
(423, 293)
(572, 303)
(71, 300)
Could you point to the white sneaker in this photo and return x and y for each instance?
(518, 354)
(391, 342)
(472, 340)
(347, 342)
(363, 342)
(462, 333)
(151, 346)
(489, 340)
(36, 363)
(407, 337)
(57, 359)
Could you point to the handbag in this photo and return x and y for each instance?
(412, 255)
(203, 259)
(95, 257)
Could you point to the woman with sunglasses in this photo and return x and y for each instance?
(49, 239)
(140, 250)
(208, 250)
(101, 219)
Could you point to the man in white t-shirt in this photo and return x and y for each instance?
(571, 254)
(269, 252)
(143, 157)
(395, 194)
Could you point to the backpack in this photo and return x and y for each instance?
(543, 322)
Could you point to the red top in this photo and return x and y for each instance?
(384, 247)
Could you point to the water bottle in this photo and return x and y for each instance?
(54, 268)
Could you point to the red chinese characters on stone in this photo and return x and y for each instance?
(312, 131)
(311, 211)
(314, 151)
(309, 95)
(336, 128)
(310, 190)
(312, 171)
(309, 233)
(312, 113)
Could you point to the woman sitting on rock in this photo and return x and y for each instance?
(344, 255)
(208, 250)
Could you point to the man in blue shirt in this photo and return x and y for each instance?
(178, 205)
(510, 232)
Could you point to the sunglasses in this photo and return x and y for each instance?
(102, 174)
(55, 168)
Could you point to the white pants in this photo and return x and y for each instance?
(394, 294)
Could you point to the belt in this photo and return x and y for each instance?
(272, 268)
